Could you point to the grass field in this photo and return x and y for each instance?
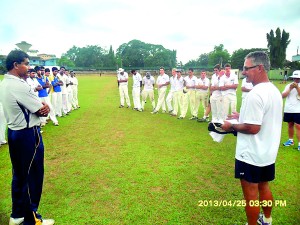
(105, 165)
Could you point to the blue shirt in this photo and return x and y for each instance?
(42, 81)
(56, 86)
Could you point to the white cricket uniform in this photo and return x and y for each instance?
(123, 89)
(201, 95)
(216, 100)
(191, 95)
(262, 106)
(75, 92)
(178, 95)
(148, 91)
(162, 79)
(136, 90)
(169, 99)
(64, 91)
(33, 83)
(229, 96)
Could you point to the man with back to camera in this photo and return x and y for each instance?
(22, 109)
(136, 90)
(148, 83)
(292, 108)
(257, 147)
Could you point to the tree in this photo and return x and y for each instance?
(64, 61)
(238, 56)
(138, 54)
(277, 46)
(218, 56)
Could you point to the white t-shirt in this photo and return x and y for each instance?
(14, 94)
(215, 83)
(33, 83)
(172, 84)
(232, 79)
(123, 77)
(148, 83)
(204, 82)
(292, 104)
(137, 78)
(162, 79)
(65, 80)
(247, 85)
(179, 84)
(262, 106)
(190, 81)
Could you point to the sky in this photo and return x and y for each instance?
(192, 27)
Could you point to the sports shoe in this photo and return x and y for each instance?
(154, 112)
(260, 220)
(121, 106)
(180, 117)
(193, 118)
(164, 111)
(288, 143)
(16, 221)
(3, 142)
(203, 120)
(56, 124)
(48, 222)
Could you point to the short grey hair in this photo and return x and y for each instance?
(259, 58)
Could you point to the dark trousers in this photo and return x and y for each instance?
(26, 150)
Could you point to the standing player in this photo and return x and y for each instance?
(162, 82)
(246, 87)
(136, 90)
(190, 85)
(170, 96)
(148, 83)
(292, 108)
(179, 95)
(257, 147)
(202, 88)
(56, 94)
(123, 87)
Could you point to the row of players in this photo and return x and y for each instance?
(217, 95)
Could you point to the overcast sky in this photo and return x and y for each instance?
(191, 27)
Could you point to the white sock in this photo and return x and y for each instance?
(268, 220)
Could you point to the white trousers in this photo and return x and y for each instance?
(170, 100)
(51, 113)
(200, 97)
(145, 94)
(136, 95)
(179, 97)
(65, 103)
(57, 103)
(161, 99)
(216, 103)
(229, 102)
(75, 96)
(123, 90)
(189, 100)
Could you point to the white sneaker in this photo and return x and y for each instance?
(16, 221)
(3, 142)
(48, 222)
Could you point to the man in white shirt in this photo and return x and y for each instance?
(190, 87)
(202, 88)
(136, 90)
(162, 82)
(228, 85)
(148, 83)
(216, 99)
(178, 94)
(122, 77)
(74, 90)
(169, 99)
(64, 91)
(292, 108)
(3, 125)
(258, 138)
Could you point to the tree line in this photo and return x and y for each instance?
(139, 55)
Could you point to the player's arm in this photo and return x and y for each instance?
(241, 128)
(43, 111)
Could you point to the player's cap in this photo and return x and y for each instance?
(120, 70)
(178, 70)
(296, 74)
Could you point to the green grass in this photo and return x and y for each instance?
(105, 165)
